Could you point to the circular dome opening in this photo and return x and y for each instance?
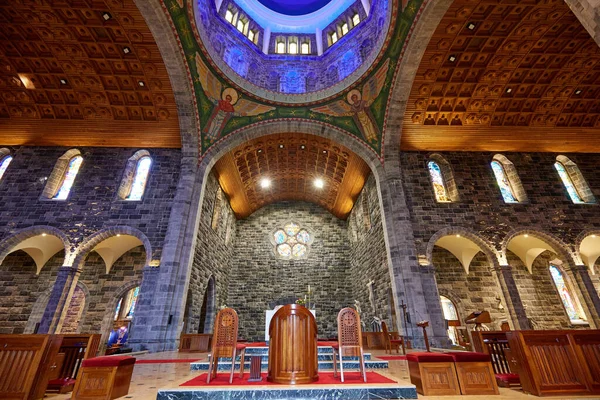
(294, 7)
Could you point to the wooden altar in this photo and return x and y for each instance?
(293, 346)
(195, 342)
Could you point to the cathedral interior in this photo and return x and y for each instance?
(420, 160)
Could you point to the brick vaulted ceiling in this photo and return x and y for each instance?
(292, 162)
(506, 76)
(65, 78)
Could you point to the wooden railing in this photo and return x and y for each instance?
(493, 343)
(73, 350)
(557, 362)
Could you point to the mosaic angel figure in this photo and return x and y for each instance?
(358, 105)
(227, 103)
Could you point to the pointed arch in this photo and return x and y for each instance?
(63, 176)
(40, 242)
(587, 248)
(573, 181)
(442, 179)
(135, 176)
(508, 180)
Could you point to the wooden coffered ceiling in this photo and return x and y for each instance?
(72, 75)
(506, 76)
(292, 162)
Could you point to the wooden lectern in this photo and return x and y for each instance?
(293, 346)
(478, 318)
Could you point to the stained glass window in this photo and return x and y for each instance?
(574, 311)
(69, 178)
(141, 177)
(439, 187)
(292, 241)
(503, 183)
(568, 182)
(132, 303)
(118, 308)
(4, 164)
(450, 314)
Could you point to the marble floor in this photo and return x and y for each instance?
(148, 378)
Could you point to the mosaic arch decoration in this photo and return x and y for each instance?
(292, 242)
(223, 109)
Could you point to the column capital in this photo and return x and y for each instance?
(504, 267)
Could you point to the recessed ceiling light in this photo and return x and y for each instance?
(118, 234)
(324, 151)
(63, 82)
(259, 151)
(593, 236)
(526, 235)
(26, 82)
(44, 234)
(106, 15)
(265, 183)
(457, 235)
(141, 83)
(126, 50)
(578, 91)
(319, 183)
(508, 90)
(303, 147)
(281, 146)
(452, 58)
(471, 26)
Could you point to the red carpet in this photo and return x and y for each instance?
(391, 358)
(172, 361)
(324, 379)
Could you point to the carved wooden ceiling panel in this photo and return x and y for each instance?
(495, 72)
(82, 72)
(291, 162)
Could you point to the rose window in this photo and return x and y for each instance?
(291, 242)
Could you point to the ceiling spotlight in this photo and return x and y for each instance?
(319, 183)
(26, 81)
(324, 151)
(63, 82)
(457, 235)
(44, 234)
(281, 146)
(265, 183)
(526, 235)
(471, 26)
(141, 83)
(508, 90)
(126, 50)
(259, 151)
(303, 147)
(118, 234)
(593, 236)
(106, 15)
(452, 58)
(578, 91)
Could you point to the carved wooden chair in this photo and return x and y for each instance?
(390, 342)
(349, 341)
(224, 343)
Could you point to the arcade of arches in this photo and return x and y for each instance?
(147, 177)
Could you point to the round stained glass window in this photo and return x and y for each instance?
(291, 242)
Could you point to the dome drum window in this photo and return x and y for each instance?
(292, 242)
(242, 23)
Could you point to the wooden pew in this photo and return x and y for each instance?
(194, 342)
(564, 363)
(73, 350)
(26, 362)
(495, 343)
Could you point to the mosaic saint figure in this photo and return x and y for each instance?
(227, 103)
(358, 105)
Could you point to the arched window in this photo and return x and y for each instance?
(503, 183)
(437, 180)
(573, 180)
(126, 305)
(68, 178)
(451, 316)
(570, 302)
(5, 159)
(138, 186)
(291, 242)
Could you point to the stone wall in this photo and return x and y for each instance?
(212, 256)
(20, 288)
(259, 280)
(93, 203)
(476, 291)
(368, 257)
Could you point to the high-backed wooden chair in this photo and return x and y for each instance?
(390, 342)
(349, 341)
(224, 343)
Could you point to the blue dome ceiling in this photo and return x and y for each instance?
(294, 7)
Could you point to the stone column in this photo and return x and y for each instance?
(143, 317)
(59, 300)
(512, 297)
(432, 298)
(405, 272)
(581, 275)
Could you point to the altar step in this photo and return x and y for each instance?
(264, 351)
(323, 365)
(320, 357)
